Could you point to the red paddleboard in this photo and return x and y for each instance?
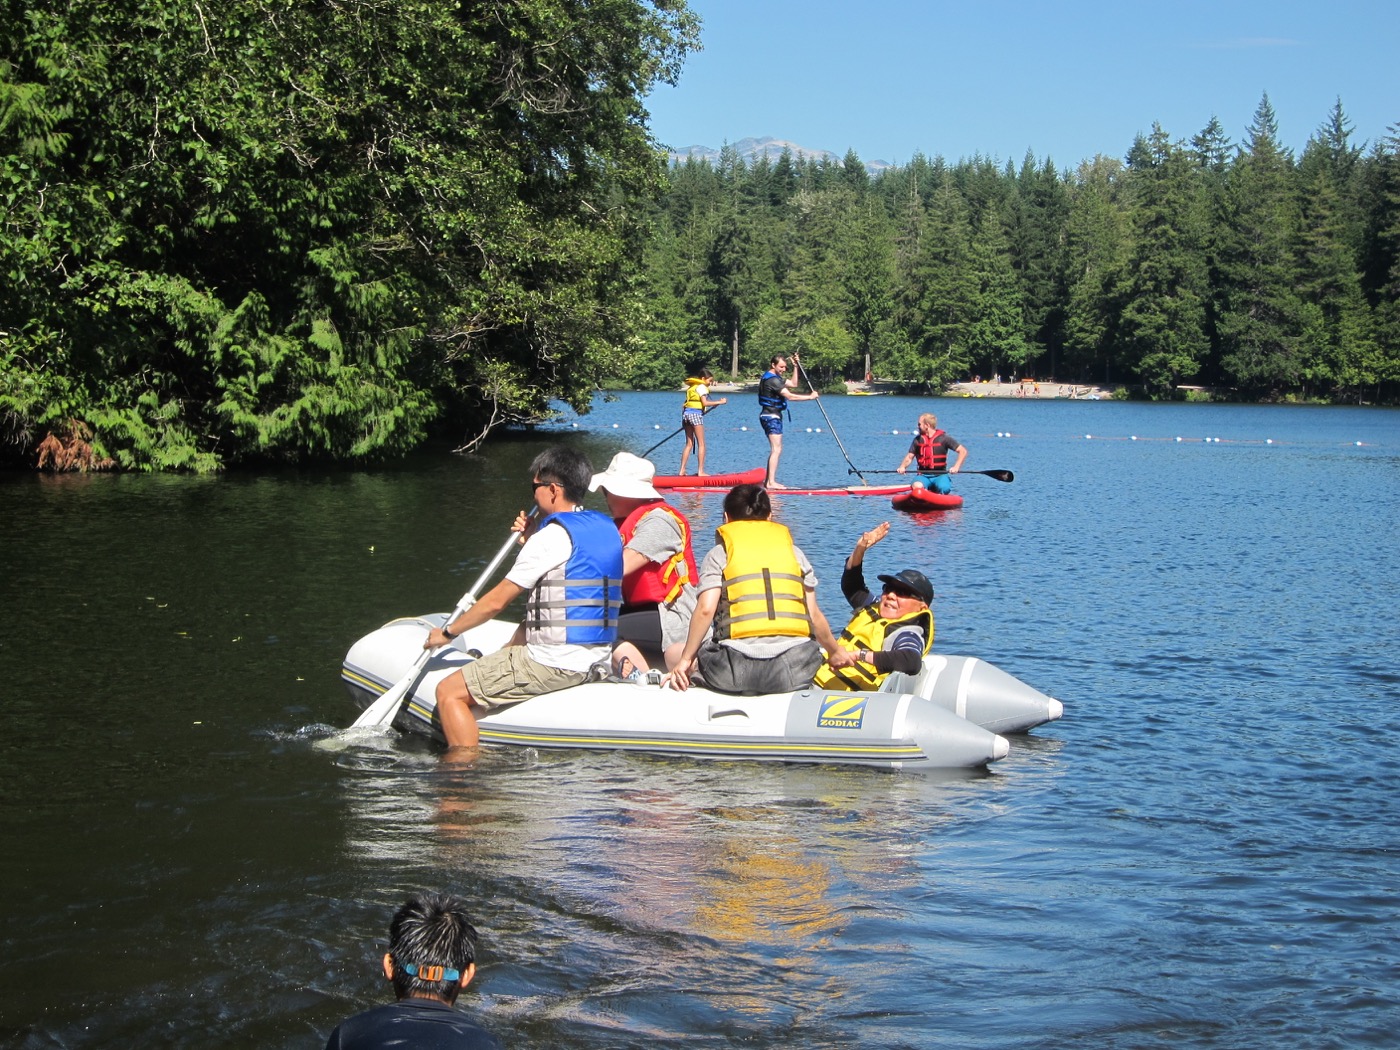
(709, 481)
(919, 498)
(848, 490)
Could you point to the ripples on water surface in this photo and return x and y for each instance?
(1199, 854)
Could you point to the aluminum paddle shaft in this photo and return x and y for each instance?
(383, 711)
(673, 433)
(829, 424)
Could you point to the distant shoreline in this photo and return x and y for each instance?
(1071, 391)
(1031, 389)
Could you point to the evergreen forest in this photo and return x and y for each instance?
(258, 231)
(1236, 270)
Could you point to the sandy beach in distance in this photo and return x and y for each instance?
(1077, 391)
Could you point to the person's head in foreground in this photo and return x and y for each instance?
(432, 948)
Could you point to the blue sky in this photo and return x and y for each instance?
(1063, 78)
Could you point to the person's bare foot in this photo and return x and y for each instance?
(775, 485)
(702, 474)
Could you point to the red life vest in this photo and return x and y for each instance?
(655, 582)
(931, 456)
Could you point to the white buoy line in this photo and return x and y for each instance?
(1006, 434)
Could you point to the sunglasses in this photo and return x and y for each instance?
(900, 592)
(537, 485)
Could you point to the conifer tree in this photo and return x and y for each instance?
(1212, 151)
(1339, 350)
(1035, 215)
(869, 279)
(995, 334)
(937, 293)
(1211, 147)
(813, 295)
(1260, 321)
(1383, 256)
(1096, 251)
(1163, 289)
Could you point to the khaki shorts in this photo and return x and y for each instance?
(509, 675)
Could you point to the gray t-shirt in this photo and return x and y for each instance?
(712, 576)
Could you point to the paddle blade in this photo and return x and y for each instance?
(999, 475)
(384, 709)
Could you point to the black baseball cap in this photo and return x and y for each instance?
(911, 580)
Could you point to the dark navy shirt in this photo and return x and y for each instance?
(424, 1024)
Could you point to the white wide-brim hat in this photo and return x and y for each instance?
(627, 476)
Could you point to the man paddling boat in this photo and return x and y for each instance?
(571, 567)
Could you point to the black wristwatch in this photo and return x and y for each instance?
(447, 634)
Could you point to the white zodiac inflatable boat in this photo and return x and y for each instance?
(947, 716)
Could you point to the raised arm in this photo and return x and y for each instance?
(865, 542)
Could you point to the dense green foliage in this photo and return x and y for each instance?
(1202, 263)
(260, 230)
(263, 229)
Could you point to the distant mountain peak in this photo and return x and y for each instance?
(751, 149)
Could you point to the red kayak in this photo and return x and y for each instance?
(918, 498)
(709, 481)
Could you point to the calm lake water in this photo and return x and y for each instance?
(1202, 853)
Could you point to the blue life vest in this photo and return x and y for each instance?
(578, 603)
(771, 401)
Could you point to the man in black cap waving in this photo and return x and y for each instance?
(889, 632)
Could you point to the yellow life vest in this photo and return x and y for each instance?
(693, 397)
(763, 594)
(868, 631)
